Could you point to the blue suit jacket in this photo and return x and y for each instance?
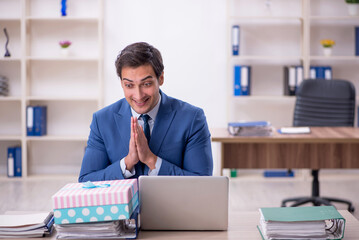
(180, 137)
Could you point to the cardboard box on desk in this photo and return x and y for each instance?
(105, 201)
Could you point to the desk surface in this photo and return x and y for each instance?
(317, 135)
(242, 225)
(324, 147)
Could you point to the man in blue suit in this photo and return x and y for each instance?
(147, 132)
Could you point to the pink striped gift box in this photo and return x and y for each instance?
(74, 195)
(107, 201)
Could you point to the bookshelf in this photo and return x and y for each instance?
(70, 86)
(276, 33)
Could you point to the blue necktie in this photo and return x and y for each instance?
(146, 126)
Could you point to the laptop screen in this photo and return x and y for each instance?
(183, 202)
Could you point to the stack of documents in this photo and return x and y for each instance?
(259, 128)
(294, 130)
(26, 225)
(323, 222)
(98, 230)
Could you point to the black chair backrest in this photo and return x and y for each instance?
(323, 102)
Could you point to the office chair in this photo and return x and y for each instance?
(323, 103)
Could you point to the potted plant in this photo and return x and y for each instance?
(65, 47)
(327, 46)
(353, 7)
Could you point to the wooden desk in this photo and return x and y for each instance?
(324, 147)
(242, 225)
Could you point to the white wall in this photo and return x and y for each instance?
(191, 35)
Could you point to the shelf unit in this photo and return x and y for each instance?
(70, 86)
(276, 33)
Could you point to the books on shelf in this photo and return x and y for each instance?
(14, 165)
(322, 222)
(242, 80)
(293, 77)
(320, 72)
(4, 86)
(36, 120)
(235, 40)
(26, 225)
(256, 128)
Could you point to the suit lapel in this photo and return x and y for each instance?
(162, 123)
(123, 122)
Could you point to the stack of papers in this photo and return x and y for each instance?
(294, 130)
(323, 222)
(98, 230)
(26, 225)
(258, 128)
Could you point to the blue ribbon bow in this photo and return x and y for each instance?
(89, 185)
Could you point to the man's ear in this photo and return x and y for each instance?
(161, 79)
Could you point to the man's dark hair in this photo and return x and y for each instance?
(139, 54)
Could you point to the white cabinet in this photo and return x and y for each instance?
(39, 74)
(277, 33)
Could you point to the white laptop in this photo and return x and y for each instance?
(183, 202)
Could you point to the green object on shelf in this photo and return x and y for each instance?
(233, 173)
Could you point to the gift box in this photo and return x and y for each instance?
(102, 201)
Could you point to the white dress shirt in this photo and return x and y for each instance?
(151, 122)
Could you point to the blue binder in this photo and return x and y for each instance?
(14, 167)
(36, 120)
(312, 72)
(40, 113)
(328, 72)
(246, 80)
(320, 72)
(237, 80)
(299, 76)
(30, 121)
(250, 124)
(242, 80)
(235, 40)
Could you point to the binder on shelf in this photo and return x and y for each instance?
(4, 86)
(237, 80)
(322, 222)
(299, 76)
(242, 80)
(327, 73)
(312, 72)
(321, 72)
(293, 77)
(252, 128)
(14, 165)
(278, 173)
(235, 40)
(36, 120)
(357, 41)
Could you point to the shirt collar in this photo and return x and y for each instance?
(152, 113)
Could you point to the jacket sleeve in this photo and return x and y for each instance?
(96, 165)
(197, 153)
